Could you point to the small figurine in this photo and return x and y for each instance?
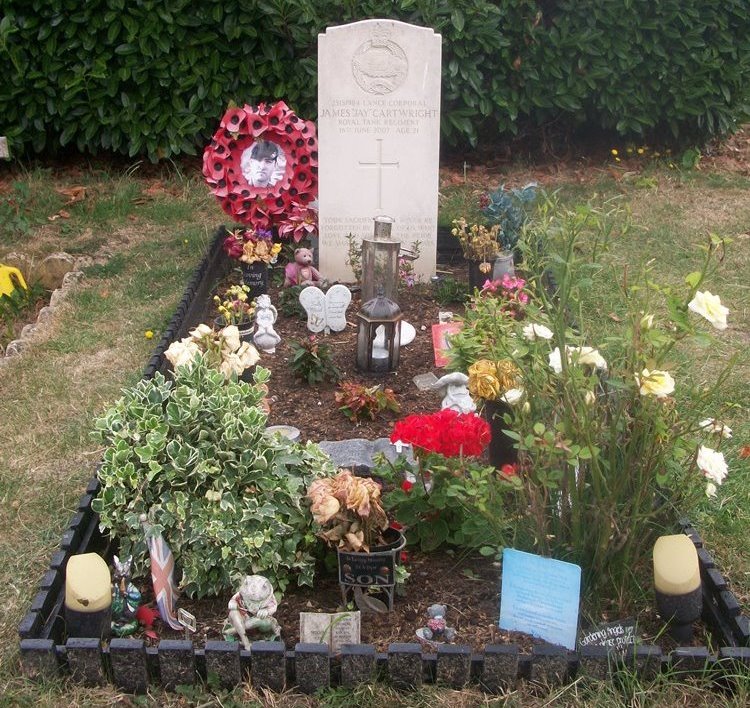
(455, 390)
(251, 609)
(126, 598)
(302, 271)
(265, 338)
(436, 631)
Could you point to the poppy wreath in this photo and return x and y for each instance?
(239, 129)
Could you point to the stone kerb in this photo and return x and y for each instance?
(132, 667)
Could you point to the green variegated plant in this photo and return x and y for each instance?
(192, 455)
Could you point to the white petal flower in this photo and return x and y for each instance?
(248, 354)
(655, 383)
(712, 425)
(537, 331)
(200, 331)
(512, 396)
(231, 336)
(710, 307)
(712, 464)
(587, 356)
(710, 489)
(555, 360)
(182, 352)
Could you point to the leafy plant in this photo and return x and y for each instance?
(358, 402)
(289, 304)
(354, 256)
(449, 290)
(192, 454)
(13, 219)
(312, 361)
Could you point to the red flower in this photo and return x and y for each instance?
(406, 485)
(508, 470)
(446, 433)
(404, 557)
(396, 526)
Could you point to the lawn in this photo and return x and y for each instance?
(143, 231)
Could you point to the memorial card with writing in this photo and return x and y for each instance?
(334, 629)
(614, 635)
(540, 596)
(326, 311)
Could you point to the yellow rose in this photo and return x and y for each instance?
(655, 383)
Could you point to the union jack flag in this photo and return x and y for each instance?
(162, 577)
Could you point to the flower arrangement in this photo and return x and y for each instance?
(495, 381)
(222, 350)
(301, 222)
(252, 246)
(478, 242)
(349, 510)
(607, 457)
(447, 433)
(507, 208)
(234, 307)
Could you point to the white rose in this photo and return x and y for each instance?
(231, 364)
(710, 307)
(231, 337)
(712, 425)
(537, 331)
(655, 383)
(712, 464)
(200, 331)
(555, 360)
(512, 396)
(182, 352)
(588, 356)
(248, 354)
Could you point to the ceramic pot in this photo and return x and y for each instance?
(501, 450)
(255, 276)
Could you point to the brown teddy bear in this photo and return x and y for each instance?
(302, 271)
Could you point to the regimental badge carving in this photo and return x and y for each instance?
(380, 65)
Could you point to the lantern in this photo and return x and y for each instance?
(378, 335)
(380, 261)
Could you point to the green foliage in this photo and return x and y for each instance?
(14, 221)
(358, 402)
(289, 304)
(449, 290)
(153, 79)
(193, 456)
(453, 502)
(312, 361)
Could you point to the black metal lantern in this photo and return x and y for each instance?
(375, 353)
(380, 256)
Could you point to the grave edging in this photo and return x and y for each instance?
(131, 666)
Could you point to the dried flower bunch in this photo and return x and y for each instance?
(478, 242)
(349, 509)
(234, 307)
(495, 381)
(222, 350)
(252, 246)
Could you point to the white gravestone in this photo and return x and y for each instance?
(378, 138)
(326, 311)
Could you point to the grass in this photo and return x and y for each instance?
(145, 234)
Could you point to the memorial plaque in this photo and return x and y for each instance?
(540, 596)
(616, 635)
(379, 138)
(334, 629)
(326, 311)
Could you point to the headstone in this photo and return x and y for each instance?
(326, 311)
(379, 137)
(540, 596)
(359, 452)
(334, 629)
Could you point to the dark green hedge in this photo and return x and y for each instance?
(153, 76)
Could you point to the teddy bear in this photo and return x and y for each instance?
(302, 271)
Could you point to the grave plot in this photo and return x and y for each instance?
(481, 651)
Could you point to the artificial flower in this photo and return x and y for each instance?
(710, 307)
(231, 337)
(655, 383)
(714, 426)
(712, 464)
(181, 353)
(446, 433)
(537, 331)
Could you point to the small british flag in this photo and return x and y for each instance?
(162, 577)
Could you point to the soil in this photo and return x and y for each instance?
(466, 582)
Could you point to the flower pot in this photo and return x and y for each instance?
(255, 276)
(501, 450)
(503, 264)
(376, 569)
(476, 277)
(245, 328)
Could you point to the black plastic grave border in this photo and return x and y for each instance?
(132, 666)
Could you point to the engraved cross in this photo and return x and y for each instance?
(379, 165)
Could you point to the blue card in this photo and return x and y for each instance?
(540, 596)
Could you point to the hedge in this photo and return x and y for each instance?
(152, 77)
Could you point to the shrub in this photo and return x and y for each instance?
(153, 79)
(312, 361)
(358, 402)
(193, 456)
